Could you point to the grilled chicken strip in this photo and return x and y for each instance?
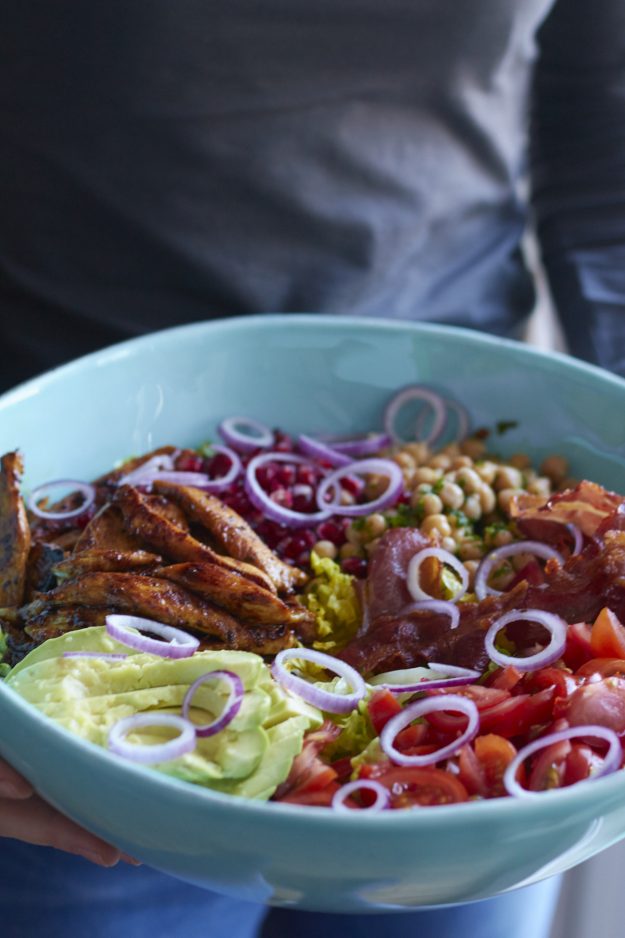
(232, 533)
(113, 477)
(106, 531)
(237, 594)
(143, 522)
(151, 598)
(53, 621)
(14, 532)
(103, 561)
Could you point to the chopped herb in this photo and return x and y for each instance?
(438, 485)
(501, 571)
(206, 449)
(502, 426)
(405, 516)
(359, 524)
(461, 519)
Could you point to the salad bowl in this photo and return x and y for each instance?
(310, 374)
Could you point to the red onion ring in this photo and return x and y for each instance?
(244, 442)
(445, 557)
(149, 753)
(264, 502)
(231, 708)
(176, 644)
(578, 538)
(445, 606)
(104, 655)
(148, 471)
(415, 392)
(386, 467)
(456, 677)
(363, 446)
(550, 653)
(382, 795)
(611, 762)
(85, 488)
(421, 708)
(536, 548)
(462, 416)
(322, 699)
(311, 447)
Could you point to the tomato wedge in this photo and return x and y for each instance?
(381, 707)
(517, 715)
(578, 648)
(410, 786)
(607, 636)
(602, 667)
(482, 765)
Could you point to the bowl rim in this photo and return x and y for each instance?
(158, 340)
(306, 321)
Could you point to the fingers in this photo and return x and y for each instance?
(12, 784)
(34, 821)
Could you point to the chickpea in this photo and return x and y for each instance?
(404, 460)
(473, 447)
(541, 485)
(350, 550)
(502, 538)
(408, 475)
(556, 467)
(469, 480)
(375, 525)
(452, 450)
(440, 462)
(436, 525)
(462, 462)
(470, 549)
(451, 495)
(520, 461)
(346, 498)
(519, 561)
(354, 534)
(420, 452)
(326, 549)
(473, 507)
(372, 546)
(427, 474)
(487, 498)
(505, 496)
(431, 504)
(486, 471)
(508, 477)
(448, 543)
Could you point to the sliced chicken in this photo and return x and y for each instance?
(14, 532)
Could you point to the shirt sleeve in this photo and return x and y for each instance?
(577, 152)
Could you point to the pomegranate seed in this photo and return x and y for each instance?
(188, 462)
(306, 475)
(266, 475)
(303, 502)
(285, 475)
(330, 531)
(282, 497)
(217, 466)
(271, 533)
(293, 547)
(283, 443)
(355, 566)
(352, 484)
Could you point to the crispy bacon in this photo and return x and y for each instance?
(577, 592)
(588, 505)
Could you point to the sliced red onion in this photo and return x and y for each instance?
(443, 606)
(536, 548)
(103, 655)
(262, 501)
(555, 626)
(412, 393)
(413, 680)
(382, 795)
(362, 446)
(421, 708)
(445, 557)
(149, 753)
(385, 467)
(462, 416)
(611, 761)
(319, 450)
(85, 488)
(324, 700)
(176, 643)
(261, 436)
(231, 708)
(578, 538)
(148, 470)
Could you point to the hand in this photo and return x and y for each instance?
(27, 817)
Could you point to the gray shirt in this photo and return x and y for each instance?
(164, 161)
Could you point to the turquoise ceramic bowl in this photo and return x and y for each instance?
(309, 373)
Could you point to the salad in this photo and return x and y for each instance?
(393, 620)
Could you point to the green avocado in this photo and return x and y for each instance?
(87, 696)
